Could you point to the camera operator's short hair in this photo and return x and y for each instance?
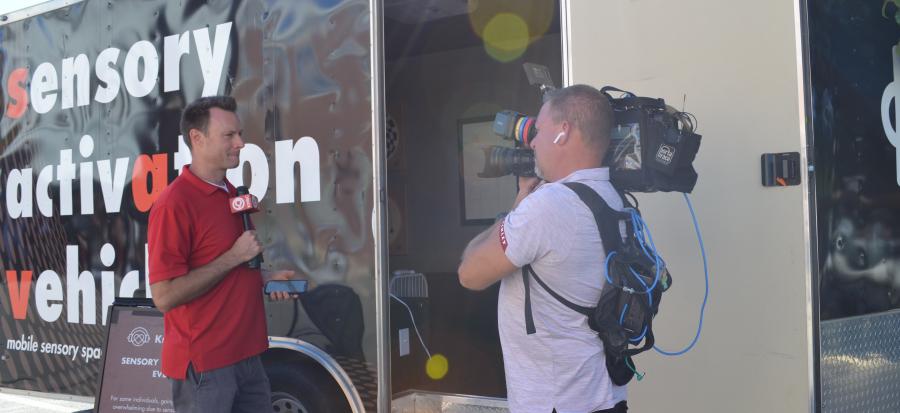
(586, 109)
(196, 114)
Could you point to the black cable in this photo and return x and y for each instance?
(633, 202)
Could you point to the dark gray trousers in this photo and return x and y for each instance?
(242, 387)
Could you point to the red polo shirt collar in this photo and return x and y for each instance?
(199, 183)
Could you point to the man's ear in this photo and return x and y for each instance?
(195, 135)
(563, 136)
(566, 127)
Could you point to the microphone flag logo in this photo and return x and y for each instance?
(238, 203)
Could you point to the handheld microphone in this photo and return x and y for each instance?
(244, 204)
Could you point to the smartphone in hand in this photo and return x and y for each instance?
(287, 286)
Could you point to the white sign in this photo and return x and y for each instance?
(892, 93)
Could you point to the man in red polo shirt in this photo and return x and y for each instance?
(215, 326)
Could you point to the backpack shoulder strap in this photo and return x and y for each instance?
(607, 222)
(607, 219)
(528, 272)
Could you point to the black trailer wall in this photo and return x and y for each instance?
(73, 222)
(854, 64)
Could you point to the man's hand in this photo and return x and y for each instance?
(168, 294)
(280, 275)
(527, 185)
(245, 247)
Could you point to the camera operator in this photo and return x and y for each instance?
(561, 366)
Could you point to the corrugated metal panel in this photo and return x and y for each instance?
(418, 402)
(860, 369)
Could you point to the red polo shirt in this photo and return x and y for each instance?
(190, 225)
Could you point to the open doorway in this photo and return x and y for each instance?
(450, 66)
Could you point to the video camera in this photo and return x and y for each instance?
(652, 146)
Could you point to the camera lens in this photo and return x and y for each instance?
(500, 161)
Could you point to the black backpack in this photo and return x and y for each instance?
(623, 317)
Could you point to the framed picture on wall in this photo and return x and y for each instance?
(481, 199)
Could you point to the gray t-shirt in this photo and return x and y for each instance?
(562, 365)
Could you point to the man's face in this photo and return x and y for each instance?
(546, 153)
(220, 146)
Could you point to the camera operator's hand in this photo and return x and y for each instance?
(527, 185)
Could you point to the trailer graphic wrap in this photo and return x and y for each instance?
(90, 101)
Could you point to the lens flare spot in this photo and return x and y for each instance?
(437, 367)
(506, 37)
(537, 15)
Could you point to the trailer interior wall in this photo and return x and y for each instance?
(429, 95)
(738, 67)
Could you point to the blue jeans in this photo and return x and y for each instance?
(238, 388)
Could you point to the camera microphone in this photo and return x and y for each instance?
(244, 204)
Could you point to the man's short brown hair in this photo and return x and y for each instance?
(585, 109)
(196, 114)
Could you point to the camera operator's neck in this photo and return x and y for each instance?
(572, 162)
(581, 155)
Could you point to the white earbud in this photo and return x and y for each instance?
(561, 134)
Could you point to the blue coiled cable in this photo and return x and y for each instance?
(705, 293)
(648, 247)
